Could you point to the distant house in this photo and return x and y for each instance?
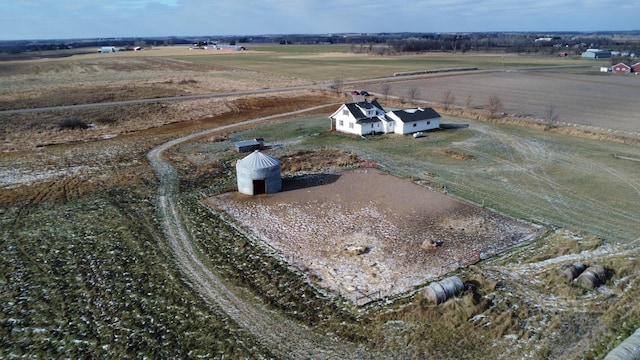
(635, 68)
(368, 117)
(249, 145)
(621, 68)
(596, 54)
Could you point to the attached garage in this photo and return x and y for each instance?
(258, 173)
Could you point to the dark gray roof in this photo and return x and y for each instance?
(355, 108)
(417, 115)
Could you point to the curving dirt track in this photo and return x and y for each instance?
(282, 336)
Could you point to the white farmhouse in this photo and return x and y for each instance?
(360, 118)
(368, 117)
(413, 120)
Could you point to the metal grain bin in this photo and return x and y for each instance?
(629, 349)
(258, 173)
(592, 277)
(443, 290)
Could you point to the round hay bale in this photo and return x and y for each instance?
(443, 290)
(435, 293)
(592, 277)
(452, 286)
(570, 271)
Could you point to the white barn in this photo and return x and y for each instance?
(368, 117)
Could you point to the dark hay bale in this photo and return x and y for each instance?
(435, 293)
(592, 277)
(443, 290)
(570, 271)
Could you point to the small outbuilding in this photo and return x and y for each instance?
(621, 68)
(258, 173)
(635, 68)
(249, 145)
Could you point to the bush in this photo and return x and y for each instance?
(73, 124)
(106, 120)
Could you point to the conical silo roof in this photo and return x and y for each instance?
(258, 160)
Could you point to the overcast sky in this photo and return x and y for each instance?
(64, 19)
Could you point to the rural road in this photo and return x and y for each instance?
(279, 334)
(324, 86)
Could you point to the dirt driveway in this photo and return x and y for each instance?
(366, 234)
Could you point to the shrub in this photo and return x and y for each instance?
(106, 120)
(73, 124)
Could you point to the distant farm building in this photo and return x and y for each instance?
(596, 54)
(249, 145)
(635, 68)
(369, 117)
(258, 173)
(621, 68)
(108, 49)
(225, 47)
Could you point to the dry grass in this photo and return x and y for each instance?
(518, 305)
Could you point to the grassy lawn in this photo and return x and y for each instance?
(544, 177)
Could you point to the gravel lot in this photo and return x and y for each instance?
(365, 232)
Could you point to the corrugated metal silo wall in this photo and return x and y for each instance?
(629, 349)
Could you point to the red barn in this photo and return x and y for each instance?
(635, 68)
(621, 68)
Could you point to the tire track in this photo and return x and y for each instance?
(282, 336)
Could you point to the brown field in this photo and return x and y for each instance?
(365, 232)
(56, 182)
(591, 101)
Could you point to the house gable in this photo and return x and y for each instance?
(621, 68)
(359, 118)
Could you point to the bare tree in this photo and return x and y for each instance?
(412, 94)
(386, 90)
(494, 106)
(448, 98)
(337, 85)
(550, 117)
(468, 104)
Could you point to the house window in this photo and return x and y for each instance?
(350, 125)
(345, 112)
(372, 126)
(341, 122)
(414, 124)
(428, 122)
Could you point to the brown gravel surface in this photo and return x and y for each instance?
(365, 232)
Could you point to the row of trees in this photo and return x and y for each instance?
(493, 106)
